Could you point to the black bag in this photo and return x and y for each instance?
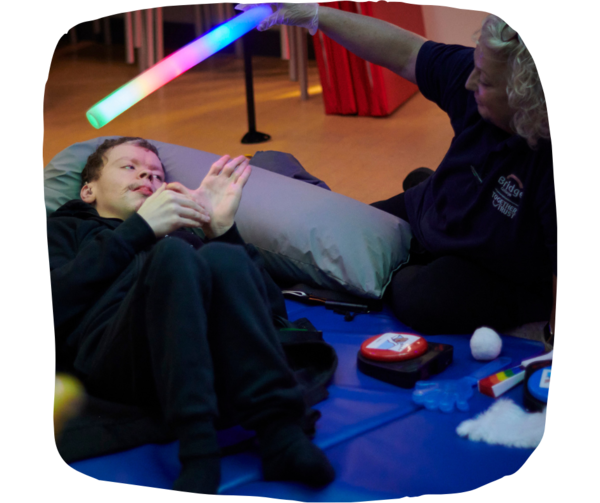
(313, 361)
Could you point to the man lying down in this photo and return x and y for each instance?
(147, 313)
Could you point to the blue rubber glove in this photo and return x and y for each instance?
(445, 395)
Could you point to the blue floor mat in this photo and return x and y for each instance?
(381, 444)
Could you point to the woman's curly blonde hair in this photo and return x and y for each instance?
(524, 89)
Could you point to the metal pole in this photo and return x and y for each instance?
(252, 136)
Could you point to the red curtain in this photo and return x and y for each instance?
(350, 84)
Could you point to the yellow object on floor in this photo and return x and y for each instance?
(69, 397)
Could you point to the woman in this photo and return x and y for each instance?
(484, 223)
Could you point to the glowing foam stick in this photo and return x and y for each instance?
(174, 65)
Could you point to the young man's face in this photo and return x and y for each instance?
(130, 175)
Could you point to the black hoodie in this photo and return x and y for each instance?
(94, 262)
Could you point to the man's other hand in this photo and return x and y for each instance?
(168, 210)
(220, 193)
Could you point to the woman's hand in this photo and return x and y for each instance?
(291, 14)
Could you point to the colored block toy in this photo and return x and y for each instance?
(501, 382)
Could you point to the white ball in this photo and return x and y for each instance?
(486, 344)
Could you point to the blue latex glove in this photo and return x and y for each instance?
(445, 395)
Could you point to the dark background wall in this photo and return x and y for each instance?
(179, 30)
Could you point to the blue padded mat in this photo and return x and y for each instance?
(381, 444)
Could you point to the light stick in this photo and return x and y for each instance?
(174, 65)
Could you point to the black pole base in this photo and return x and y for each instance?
(255, 137)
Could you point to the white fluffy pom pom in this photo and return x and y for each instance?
(486, 344)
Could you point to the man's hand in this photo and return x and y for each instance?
(219, 193)
(168, 210)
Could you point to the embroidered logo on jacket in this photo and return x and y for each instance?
(507, 196)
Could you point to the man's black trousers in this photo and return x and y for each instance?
(194, 338)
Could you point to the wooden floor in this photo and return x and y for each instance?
(362, 157)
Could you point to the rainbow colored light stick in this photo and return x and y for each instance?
(174, 65)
